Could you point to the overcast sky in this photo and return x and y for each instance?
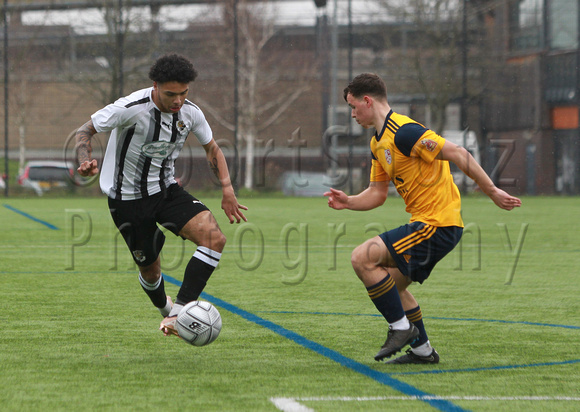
(177, 17)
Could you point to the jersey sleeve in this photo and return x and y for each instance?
(200, 128)
(378, 174)
(429, 146)
(111, 117)
(413, 138)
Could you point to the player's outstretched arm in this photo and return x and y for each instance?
(467, 164)
(217, 163)
(337, 199)
(370, 198)
(504, 200)
(84, 134)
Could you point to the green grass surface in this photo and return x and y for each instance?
(78, 333)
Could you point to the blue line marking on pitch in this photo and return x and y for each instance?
(433, 371)
(20, 212)
(492, 368)
(381, 377)
(551, 325)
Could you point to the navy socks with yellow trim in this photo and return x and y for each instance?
(386, 298)
(422, 346)
(416, 317)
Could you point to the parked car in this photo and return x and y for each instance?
(467, 139)
(305, 184)
(43, 175)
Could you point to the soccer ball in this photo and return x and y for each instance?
(199, 323)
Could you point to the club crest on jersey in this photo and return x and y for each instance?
(429, 144)
(388, 156)
(181, 126)
(158, 150)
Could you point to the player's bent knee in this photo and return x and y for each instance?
(213, 238)
(150, 273)
(220, 242)
(359, 258)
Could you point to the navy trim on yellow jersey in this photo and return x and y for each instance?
(391, 124)
(407, 136)
(379, 135)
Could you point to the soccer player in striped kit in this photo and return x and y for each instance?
(148, 130)
(416, 160)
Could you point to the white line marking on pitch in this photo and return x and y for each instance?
(294, 405)
(289, 405)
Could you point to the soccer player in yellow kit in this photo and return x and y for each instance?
(416, 160)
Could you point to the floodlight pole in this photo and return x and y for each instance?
(6, 78)
(333, 84)
(464, 52)
(322, 53)
(349, 120)
(577, 85)
(236, 164)
(120, 46)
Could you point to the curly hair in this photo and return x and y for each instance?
(172, 68)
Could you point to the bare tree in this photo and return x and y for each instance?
(122, 59)
(434, 59)
(22, 87)
(270, 80)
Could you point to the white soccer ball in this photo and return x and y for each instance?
(199, 323)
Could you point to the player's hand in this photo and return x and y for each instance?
(505, 200)
(233, 209)
(88, 168)
(337, 199)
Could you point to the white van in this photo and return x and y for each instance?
(467, 139)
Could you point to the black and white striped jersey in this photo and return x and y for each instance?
(144, 143)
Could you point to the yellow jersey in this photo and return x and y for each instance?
(404, 151)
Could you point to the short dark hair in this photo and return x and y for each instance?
(172, 68)
(366, 84)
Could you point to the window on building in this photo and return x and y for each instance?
(527, 24)
(563, 24)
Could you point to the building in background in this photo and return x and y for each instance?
(535, 98)
(518, 93)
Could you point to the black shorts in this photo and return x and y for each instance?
(417, 247)
(137, 220)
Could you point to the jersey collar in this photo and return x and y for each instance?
(379, 135)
